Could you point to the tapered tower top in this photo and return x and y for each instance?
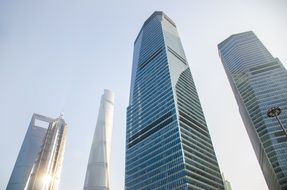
(156, 13)
(109, 95)
(220, 45)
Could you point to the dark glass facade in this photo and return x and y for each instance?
(259, 82)
(168, 145)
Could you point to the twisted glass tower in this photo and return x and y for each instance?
(97, 175)
(168, 145)
(259, 82)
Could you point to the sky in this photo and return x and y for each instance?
(59, 56)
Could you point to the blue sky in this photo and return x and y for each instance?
(59, 56)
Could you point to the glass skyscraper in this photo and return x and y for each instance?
(168, 145)
(97, 174)
(39, 162)
(259, 82)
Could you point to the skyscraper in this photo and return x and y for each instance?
(39, 162)
(259, 82)
(97, 174)
(168, 145)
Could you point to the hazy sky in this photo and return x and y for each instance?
(59, 55)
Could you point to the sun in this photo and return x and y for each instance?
(47, 179)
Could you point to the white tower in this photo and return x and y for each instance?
(97, 177)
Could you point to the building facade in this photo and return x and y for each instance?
(97, 174)
(259, 82)
(39, 162)
(168, 145)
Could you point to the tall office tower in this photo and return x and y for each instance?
(168, 145)
(97, 174)
(40, 158)
(28, 154)
(45, 174)
(259, 82)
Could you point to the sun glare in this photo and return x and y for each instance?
(47, 179)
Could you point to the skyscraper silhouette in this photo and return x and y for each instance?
(97, 175)
(259, 82)
(39, 162)
(168, 145)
